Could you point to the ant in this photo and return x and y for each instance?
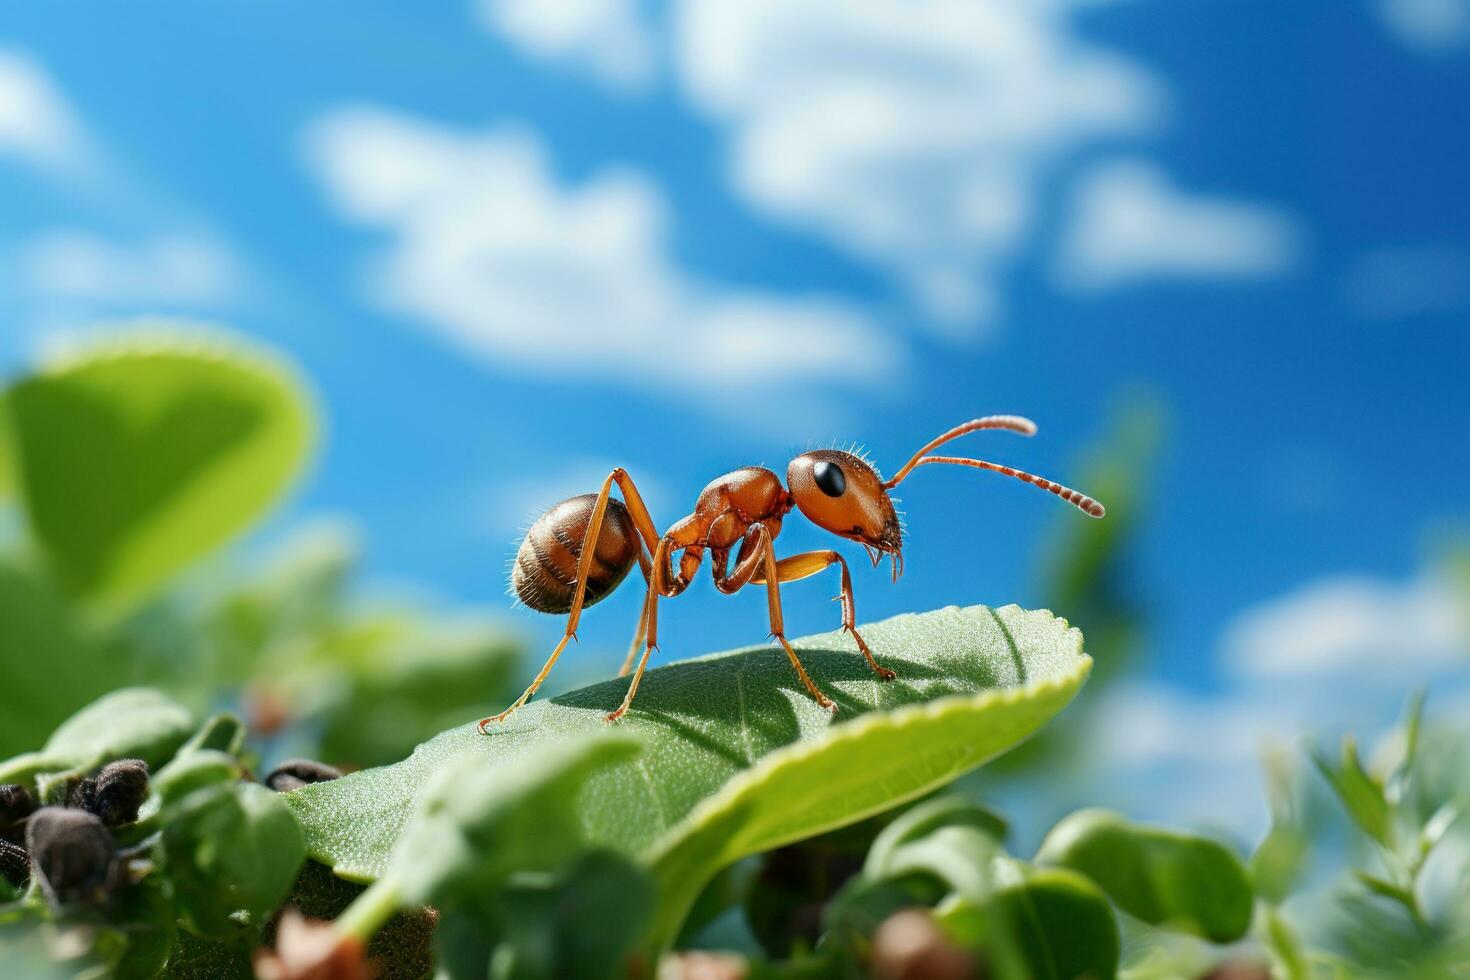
(580, 550)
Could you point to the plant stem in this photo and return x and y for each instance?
(367, 913)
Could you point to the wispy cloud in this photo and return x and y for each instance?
(923, 139)
(171, 270)
(1334, 656)
(1430, 26)
(607, 38)
(490, 250)
(1352, 625)
(1130, 225)
(36, 122)
(917, 137)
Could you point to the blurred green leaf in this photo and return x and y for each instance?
(192, 771)
(49, 666)
(221, 732)
(1087, 564)
(924, 819)
(1284, 946)
(136, 723)
(7, 463)
(475, 825)
(231, 848)
(740, 760)
(786, 891)
(142, 454)
(1361, 795)
(580, 923)
(411, 684)
(1178, 881)
(1055, 922)
(1280, 858)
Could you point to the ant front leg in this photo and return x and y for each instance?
(809, 563)
(757, 562)
(642, 522)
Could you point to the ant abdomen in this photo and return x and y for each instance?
(544, 575)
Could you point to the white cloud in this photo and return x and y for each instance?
(1129, 225)
(35, 121)
(605, 37)
(1346, 626)
(1427, 25)
(172, 270)
(492, 251)
(1391, 283)
(915, 135)
(1337, 656)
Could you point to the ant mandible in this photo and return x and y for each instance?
(555, 570)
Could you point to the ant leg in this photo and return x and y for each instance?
(637, 643)
(647, 623)
(778, 625)
(809, 563)
(756, 561)
(658, 587)
(645, 527)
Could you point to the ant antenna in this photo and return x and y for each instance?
(1011, 423)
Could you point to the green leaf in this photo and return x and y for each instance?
(192, 771)
(7, 463)
(1051, 924)
(1361, 795)
(49, 664)
(476, 825)
(231, 848)
(408, 687)
(581, 923)
(1281, 857)
(135, 722)
(221, 732)
(925, 819)
(739, 759)
(142, 454)
(1178, 881)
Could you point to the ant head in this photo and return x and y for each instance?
(841, 493)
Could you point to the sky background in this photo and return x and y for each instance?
(516, 243)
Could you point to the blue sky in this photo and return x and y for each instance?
(516, 243)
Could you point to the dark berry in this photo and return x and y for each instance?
(119, 790)
(296, 773)
(73, 855)
(15, 864)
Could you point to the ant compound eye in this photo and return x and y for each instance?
(829, 478)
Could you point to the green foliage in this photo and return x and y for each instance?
(728, 776)
(50, 665)
(504, 858)
(474, 826)
(375, 681)
(1162, 877)
(581, 922)
(210, 852)
(136, 723)
(1050, 924)
(231, 848)
(1361, 795)
(137, 457)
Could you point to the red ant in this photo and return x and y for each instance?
(556, 572)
